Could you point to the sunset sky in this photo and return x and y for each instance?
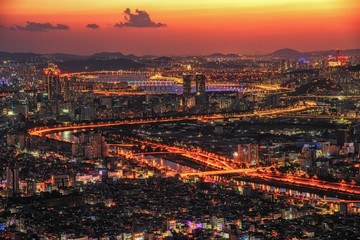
(180, 27)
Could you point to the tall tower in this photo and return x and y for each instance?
(200, 84)
(200, 91)
(49, 85)
(53, 81)
(186, 100)
(12, 178)
(187, 85)
(57, 85)
(66, 89)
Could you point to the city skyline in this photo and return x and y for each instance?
(179, 27)
(180, 120)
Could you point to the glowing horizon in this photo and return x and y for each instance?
(201, 27)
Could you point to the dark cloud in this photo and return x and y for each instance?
(92, 26)
(140, 19)
(39, 27)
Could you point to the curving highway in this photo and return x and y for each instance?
(214, 161)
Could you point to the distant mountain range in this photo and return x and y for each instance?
(291, 53)
(63, 57)
(99, 65)
(18, 56)
(287, 53)
(107, 55)
(220, 55)
(98, 56)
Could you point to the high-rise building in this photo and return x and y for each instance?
(50, 86)
(66, 89)
(187, 98)
(343, 136)
(53, 81)
(53, 86)
(12, 178)
(248, 153)
(91, 145)
(30, 186)
(57, 85)
(200, 91)
(200, 84)
(187, 84)
(97, 147)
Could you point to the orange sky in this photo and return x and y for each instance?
(192, 27)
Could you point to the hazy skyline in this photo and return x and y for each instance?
(178, 27)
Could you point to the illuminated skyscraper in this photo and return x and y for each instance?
(53, 86)
(188, 100)
(187, 85)
(200, 84)
(53, 81)
(200, 91)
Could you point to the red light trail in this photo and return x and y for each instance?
(214, 161)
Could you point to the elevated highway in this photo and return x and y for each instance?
(46, 130)
(223, 165)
